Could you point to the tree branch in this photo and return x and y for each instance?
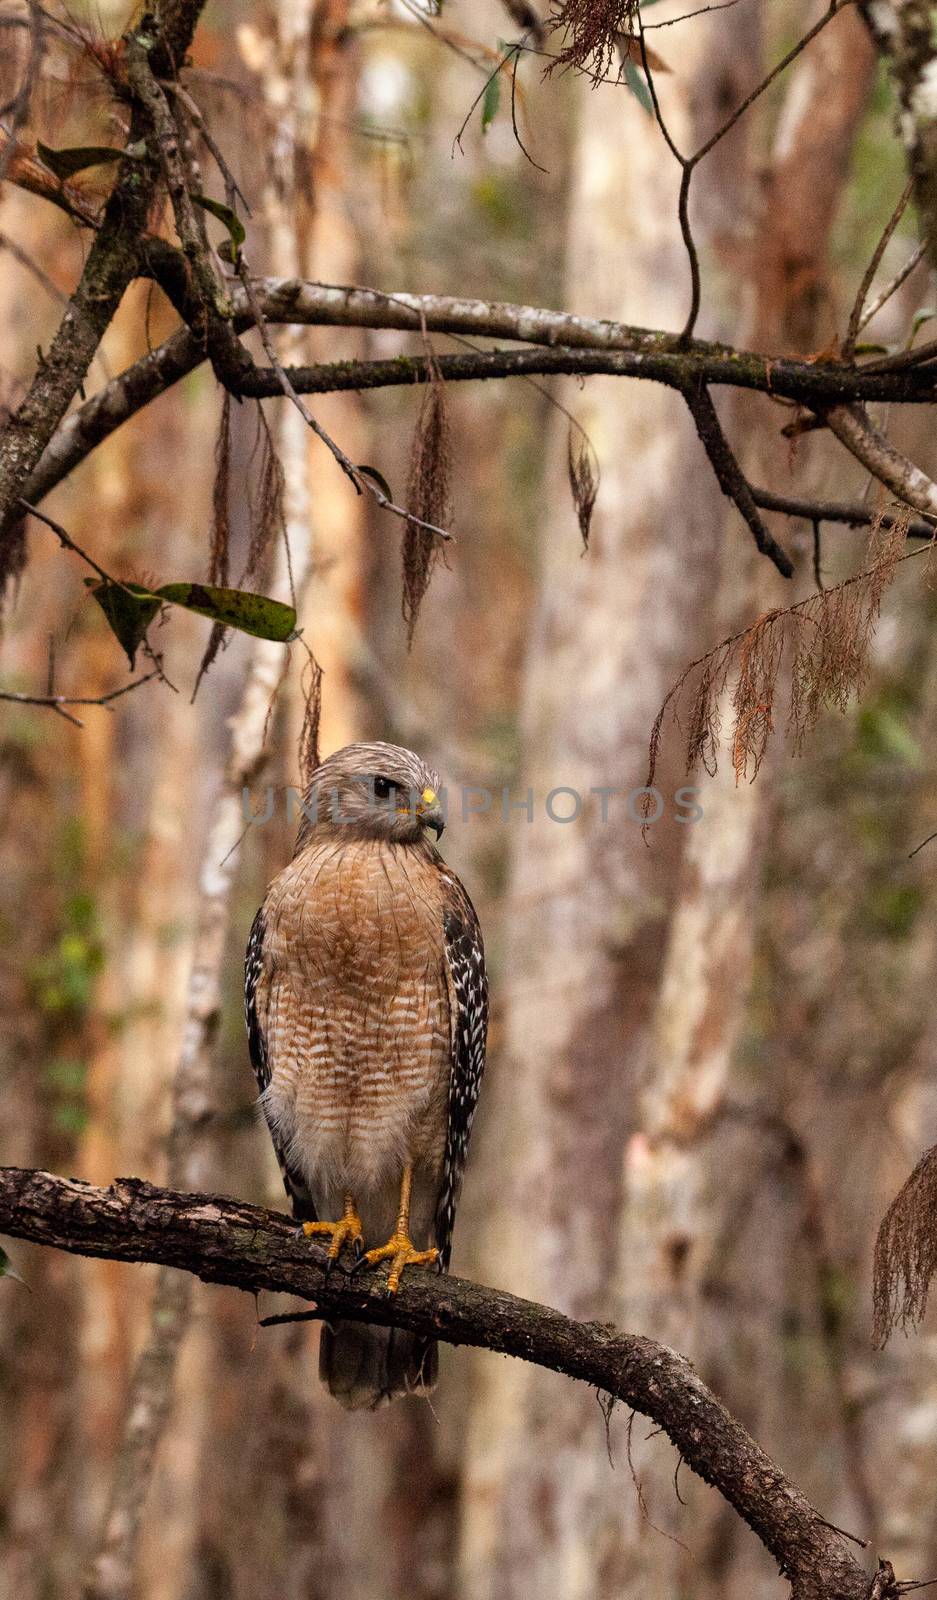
(577, 345)
(854, 430)
(225, 1241)
(111, 265)
(852, 515)
(730, 477)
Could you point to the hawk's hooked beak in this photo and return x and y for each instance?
(430, 812)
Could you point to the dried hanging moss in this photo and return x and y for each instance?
(825, 638)
(428, 496)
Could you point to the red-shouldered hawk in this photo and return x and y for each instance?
(367, 1015)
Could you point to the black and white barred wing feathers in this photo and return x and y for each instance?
(257, 985)
(468, 1012)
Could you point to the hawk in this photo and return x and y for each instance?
(367, 1014)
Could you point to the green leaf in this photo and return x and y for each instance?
(920, 317)
(231, 221)
(234, 608)
(491, 100)
(376, 477)
(129, 609)
(6, 1269)
(65, 163)
(635, 81)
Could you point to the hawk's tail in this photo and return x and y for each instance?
(363, 1367)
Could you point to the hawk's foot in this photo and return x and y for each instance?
(346, 1231)
(401, 1253)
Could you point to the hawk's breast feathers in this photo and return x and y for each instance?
(367, 1008)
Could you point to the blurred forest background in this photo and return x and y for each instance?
(711, 1056)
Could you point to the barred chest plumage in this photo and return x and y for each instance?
(357, 1017)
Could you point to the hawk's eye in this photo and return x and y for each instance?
(383, 788)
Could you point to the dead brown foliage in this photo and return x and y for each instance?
(266, 518)
(219, 558)
(24, 168)
(309, 734)
(267, 514)
(594, 29)
(906, 1252)
(826, 640)
(428, 496)
(582, 468)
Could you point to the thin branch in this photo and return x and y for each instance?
(853, 429)
(68, 543)
(56, 702)
(223, 1241)
(688, 164)
(891, 288)
(732, 480)
(688, 16)
(511, 51)
(855, 515)
(233, 190)
(855, 317)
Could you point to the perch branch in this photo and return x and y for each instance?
(224, 1241)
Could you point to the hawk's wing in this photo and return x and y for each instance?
(468, 1029)
(256, 1000)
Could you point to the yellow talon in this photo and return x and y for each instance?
(400, 1250)
(346, 1231)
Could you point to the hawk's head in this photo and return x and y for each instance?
(374, 791)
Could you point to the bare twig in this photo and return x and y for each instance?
(688, 164)
(56, 702)
(852, 428)
(233, 190)
(855, 316)
(855, 515)
(68, 543)
(732, 480)
(881, 299)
